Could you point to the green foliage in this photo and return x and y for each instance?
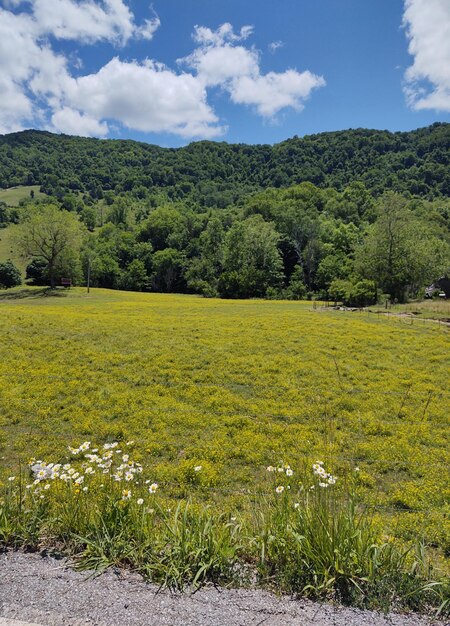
(164, 228)
(402, 252)
(325, 545)
(297, 287)
(119, 211)
(36, 272)
(252, 262)
(356, 293)
(54, 237)
(9, 275)
(250, 221)
(219, 175)
(167, 275)
(135, 278)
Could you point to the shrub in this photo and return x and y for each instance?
(9, 275)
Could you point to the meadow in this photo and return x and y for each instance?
(233, 387)
(13, 195)
(7, 252)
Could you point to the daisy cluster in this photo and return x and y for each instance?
(109, 462)
(282, 469)
(325, 479)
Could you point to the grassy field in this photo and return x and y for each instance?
(7, 251)
(233, 386)
(14, 195)
(430, 309)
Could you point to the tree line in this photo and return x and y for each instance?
(297, 242)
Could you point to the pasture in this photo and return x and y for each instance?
(13, 195)
(7, 249)
(233, 386)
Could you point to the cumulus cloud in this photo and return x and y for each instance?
(39, 87)
(216, 65)
(148, 28)
(73, 122)
(225, 33)
(275, 91)
(84, 21)
(219, 60)
(147, 97)
(427, 80)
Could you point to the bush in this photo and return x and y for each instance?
(9, 275)
(360, 293)
(36, 271)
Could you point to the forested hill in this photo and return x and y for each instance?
(218, 174)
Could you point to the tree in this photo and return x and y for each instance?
(54, 236)
(359, 293)
(164, 228)
(135, 277)
(119, 211)
(9, 275)
(252, 261)
(4, 216)
(36, 272)
(204, 271)
(297, 288)
(167, 276)
(402, 252)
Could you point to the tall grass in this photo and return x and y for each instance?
(306, 535)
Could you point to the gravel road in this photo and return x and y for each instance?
(46, 592)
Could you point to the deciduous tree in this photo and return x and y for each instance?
(52, 235)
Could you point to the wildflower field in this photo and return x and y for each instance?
(181, 399)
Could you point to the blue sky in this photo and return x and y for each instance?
(253, 71)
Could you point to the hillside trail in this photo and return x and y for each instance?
(44, 591)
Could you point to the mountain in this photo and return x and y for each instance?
(217, 174)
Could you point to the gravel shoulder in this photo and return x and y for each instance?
(46, 592)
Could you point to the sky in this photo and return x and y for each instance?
(241, 71)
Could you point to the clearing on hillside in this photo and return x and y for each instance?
(13, 195)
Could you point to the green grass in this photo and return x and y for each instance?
(431, 309)
(309, 538)
(14, 195)
(212, 392)
(233, 386)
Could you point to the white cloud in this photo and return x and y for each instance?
(19, 59)
(218, 61)
(84, 21)
(225, 33)
(274, 46)
(147, 97)
(217, 64)
(148, 28)
(73, 122)
(39, 88)
(427, 80)
(15, 106)
(275, 91)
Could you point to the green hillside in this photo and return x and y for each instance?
(218, 174)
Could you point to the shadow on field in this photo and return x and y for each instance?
(45, 292)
